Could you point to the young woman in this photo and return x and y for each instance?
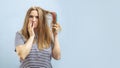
(36, 43)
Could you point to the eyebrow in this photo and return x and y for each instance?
(31, 16)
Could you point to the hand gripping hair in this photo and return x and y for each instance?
(54, 21)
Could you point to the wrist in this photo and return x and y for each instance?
(55, 36)
(31, 37)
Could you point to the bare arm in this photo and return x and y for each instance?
(24, 50)
(56, 50)
(56, 53)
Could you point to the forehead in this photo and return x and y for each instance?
(34, 12)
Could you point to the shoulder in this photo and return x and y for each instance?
(19, 33)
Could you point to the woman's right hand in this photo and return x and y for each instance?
(31, 29)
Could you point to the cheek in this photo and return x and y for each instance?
(30, 20)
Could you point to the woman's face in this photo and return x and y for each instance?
(33, 18)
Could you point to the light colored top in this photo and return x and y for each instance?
(36, 58)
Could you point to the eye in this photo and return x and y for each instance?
(36, 17)
(30, 16)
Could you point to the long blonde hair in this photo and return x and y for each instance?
(43, 31)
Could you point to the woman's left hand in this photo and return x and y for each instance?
(56, 28)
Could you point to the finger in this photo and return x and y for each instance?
(33, 26)
(55, 28)
(55, 25)
(30, 26)
(58, 26)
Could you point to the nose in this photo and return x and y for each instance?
(34, 19)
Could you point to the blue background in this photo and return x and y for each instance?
(90, 36)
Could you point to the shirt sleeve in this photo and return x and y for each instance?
(18, 40)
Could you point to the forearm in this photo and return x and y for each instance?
(25, 49)
(56, 49)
